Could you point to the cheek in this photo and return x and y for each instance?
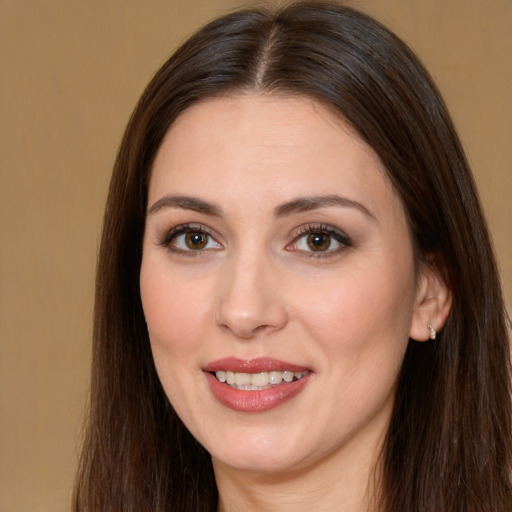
(367, 309)
(176, 331)
(172, 312)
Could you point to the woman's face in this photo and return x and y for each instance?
(277, 257)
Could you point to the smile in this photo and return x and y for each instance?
(255, 385)
(257, 381)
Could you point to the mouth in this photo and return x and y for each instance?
(255, 385)
(258, 381)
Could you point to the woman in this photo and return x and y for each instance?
(297, 301)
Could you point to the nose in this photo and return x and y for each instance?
(251, 301)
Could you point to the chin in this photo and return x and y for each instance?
(259, 463)
(263, 454)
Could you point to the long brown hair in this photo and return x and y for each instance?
(449, 444)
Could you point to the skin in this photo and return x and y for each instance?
(257, 289)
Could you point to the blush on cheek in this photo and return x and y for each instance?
(366, 311)
(173, 324)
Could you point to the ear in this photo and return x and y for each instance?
(433, 299)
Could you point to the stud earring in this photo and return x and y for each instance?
(432, 332)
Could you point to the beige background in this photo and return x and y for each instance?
(70, 74)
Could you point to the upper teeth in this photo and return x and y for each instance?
(257, 381)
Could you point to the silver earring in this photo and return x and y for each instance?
(432, 332)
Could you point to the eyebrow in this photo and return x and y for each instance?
(304, 204)
(301, 204)
(186, 203)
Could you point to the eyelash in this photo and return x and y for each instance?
(311, 229)
(183, 229)
(314, 229)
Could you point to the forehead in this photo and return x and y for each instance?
(270, 121)
(268, 146)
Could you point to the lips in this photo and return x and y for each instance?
(256, 385)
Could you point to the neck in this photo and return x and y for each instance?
(323, 486)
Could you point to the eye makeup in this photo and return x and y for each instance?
(189, 240)
(320, 241)
(310, 240)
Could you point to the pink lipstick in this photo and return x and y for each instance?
(255, 385)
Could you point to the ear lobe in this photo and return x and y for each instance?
(433, 301)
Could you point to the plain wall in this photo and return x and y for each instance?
(70, 74)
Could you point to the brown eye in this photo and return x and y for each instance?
(191, 239)
(318, 242)
(196, 240)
